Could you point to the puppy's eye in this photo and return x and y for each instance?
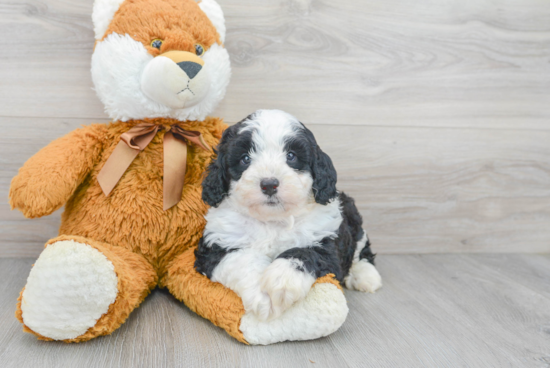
(291, 156)
(245, 160)
(156, 43)
(199, 50)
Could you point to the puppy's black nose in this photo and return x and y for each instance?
(190, 68)
(269, 186)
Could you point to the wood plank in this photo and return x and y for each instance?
(420, 190)
(450, 63)
(452, 311)
(433, 311)
(446, 190)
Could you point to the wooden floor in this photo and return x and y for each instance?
(433, 311)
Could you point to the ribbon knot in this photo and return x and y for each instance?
(175, 158)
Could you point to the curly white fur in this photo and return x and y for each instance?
(251, 232)
(262, 232)
(285, 284)
(241, 271)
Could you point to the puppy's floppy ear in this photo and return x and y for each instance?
(323, 172)
(216, 183)
(324, 177)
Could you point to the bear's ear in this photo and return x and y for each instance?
(102, 15)
(214, 12)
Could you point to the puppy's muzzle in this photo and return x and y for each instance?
(269, 186)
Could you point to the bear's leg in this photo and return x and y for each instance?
(79, 289)
(319, 314)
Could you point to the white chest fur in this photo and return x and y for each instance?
(231, 229)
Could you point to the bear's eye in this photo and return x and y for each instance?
(199, 50)
(245, 160)
(156, 43)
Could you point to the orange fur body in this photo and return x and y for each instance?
(65, 172)
(129, 226)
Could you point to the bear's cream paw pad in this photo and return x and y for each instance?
(69, 288)
(319, 314)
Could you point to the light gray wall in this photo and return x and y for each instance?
(436, 113)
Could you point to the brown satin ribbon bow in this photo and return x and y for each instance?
(175, 158)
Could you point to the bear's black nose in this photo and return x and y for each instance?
(190, 68)
(269, 186)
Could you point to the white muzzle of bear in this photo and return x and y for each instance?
(176, 79)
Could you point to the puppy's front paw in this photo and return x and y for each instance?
(363, 276)
(257, 302)
(285, 284)
(261, 306)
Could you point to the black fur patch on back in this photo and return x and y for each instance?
(354, 222)
(350, 232)
(366, 253)
(208, 257)
(318, 260)
(335, 255)
(351, 216)
(344, 246)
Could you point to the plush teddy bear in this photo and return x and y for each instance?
(132, 188)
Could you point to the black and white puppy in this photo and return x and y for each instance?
(277, 221)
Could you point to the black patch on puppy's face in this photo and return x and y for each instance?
(227, 166)
(310, 157)
(237, 149)
(303, 151)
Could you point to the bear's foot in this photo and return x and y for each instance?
(79, 289)
(69, 288)
(320, 313)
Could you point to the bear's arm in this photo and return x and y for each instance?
(49, 178)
